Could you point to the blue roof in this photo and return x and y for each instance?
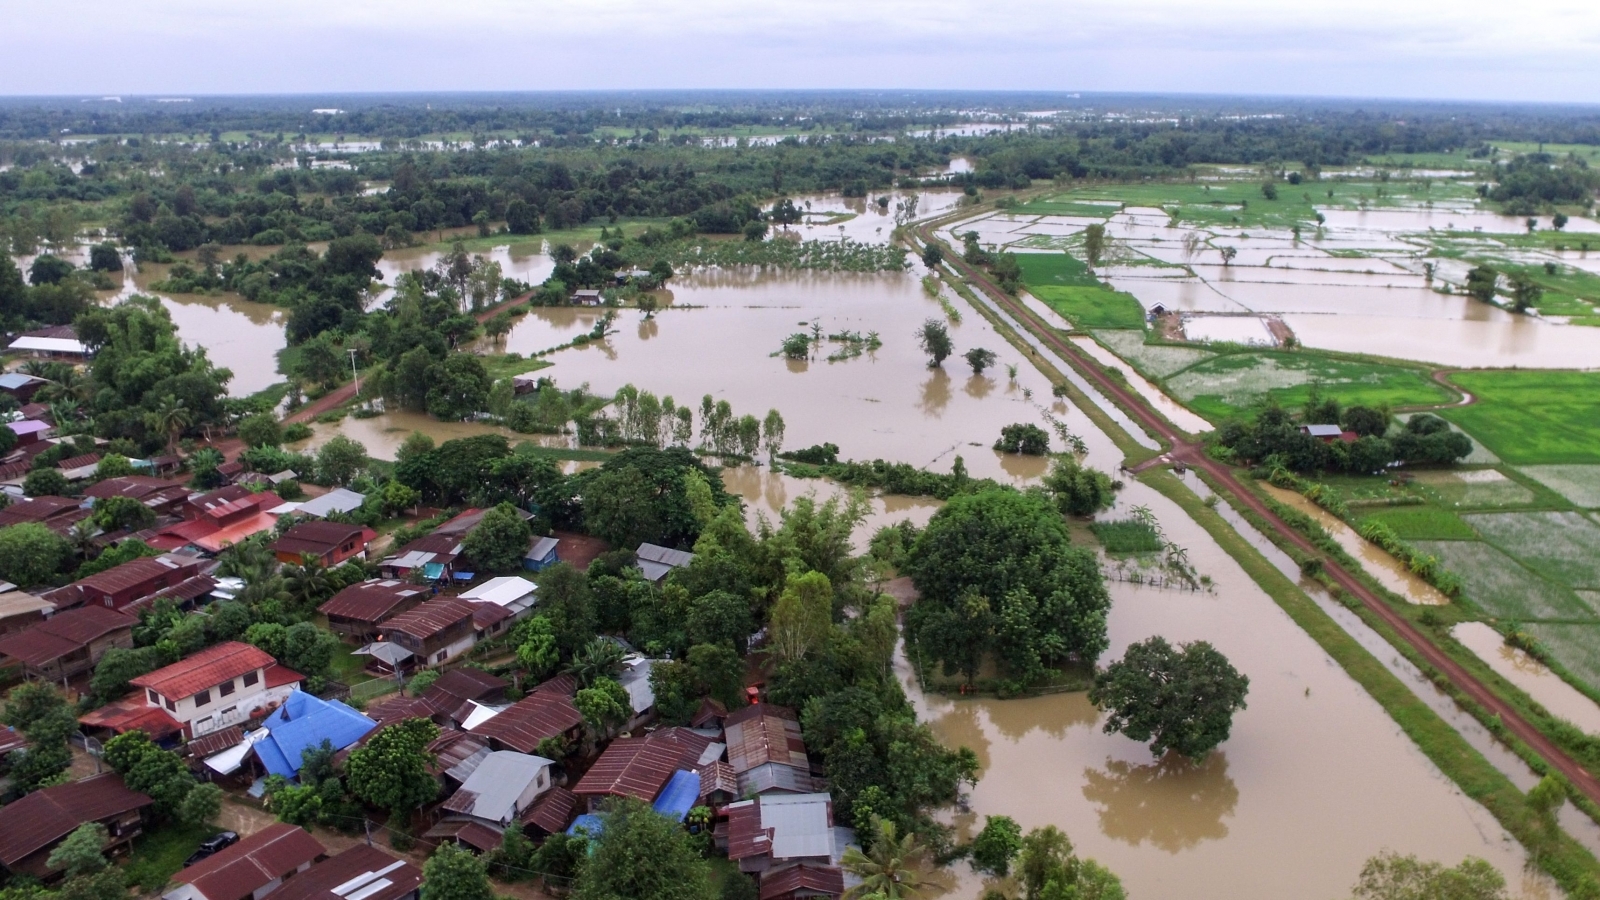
(589, 823)
(302, 723)
(433, 571)
(678, 797)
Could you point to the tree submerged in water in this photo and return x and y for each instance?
(1178, 698)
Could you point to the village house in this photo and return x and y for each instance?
(58, 342)
(161, 496)
(302, 722)
(766, 752)
(31, 827)
(1329, 433)
(69, 643)
(515, 595)
(78, 468)
(436, 553)
(30, 431)
(250, 869)
(20, 611)
(586, 297)
(58, 514)
(541, 554)
(359, 609)
(123, 586)
(550, 814)
(443, 629)
(360, 873)
(502, 787)
(329, 543)
(222, 685)
(772, 833)
(213, 523)
(21, 386)
(338, 500)
(656, 562)
(640, 767)
(546, 712)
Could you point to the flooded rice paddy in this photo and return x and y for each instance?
(1389, 572)
(1532, 676)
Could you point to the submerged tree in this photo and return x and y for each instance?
(1178, 698)
(979, 359)
(1094, 243)
(934, 339)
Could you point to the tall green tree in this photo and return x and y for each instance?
(1177, 698)
(640, 855)
(894, 866)
(500, 541)
(934, 339)
(390, 770)
(455, 873)
(31, 554)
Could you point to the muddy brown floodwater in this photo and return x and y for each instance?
(1315, 779)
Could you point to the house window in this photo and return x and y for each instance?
(227, 712)
(171, 706)
(201, 726)
(154, 697)
(441, 656)
(225, 688)
(202, 698)
(250, 678)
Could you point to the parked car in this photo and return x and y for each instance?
(211, 845)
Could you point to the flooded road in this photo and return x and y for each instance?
(1315, 779)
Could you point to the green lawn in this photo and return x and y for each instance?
(159, 854)
(1423, 523)
(1533, 417)
(1092, 307)
(1231, 384)
(1040, 269)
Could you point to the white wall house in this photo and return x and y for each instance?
(228, 684)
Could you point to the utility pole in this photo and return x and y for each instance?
(353, 373)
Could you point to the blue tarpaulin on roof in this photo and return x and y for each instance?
(466, 576)
(678, 797)
(433, 571)
(303, 722)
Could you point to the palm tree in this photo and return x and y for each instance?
(891, 869)
(170, 417)
(308, 582)
(249, 559)
(82, 536)
(599, 658)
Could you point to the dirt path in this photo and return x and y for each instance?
(1191, 453)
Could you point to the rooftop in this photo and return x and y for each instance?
(546, 712)
(763, 733)
(782, 826)
(63, 633)
(46, 816)
(255, 862)
(305, 721)
(341, 500)
(552, 812)
(491, 791)
(430, 618)
(360, 873)
(319, 538)
(504, 591)
(208, 668)
(136, 572)
(370, 601)
(656, 561)
(640, 767)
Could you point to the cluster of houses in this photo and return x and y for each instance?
(283, 861)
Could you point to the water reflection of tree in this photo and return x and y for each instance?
(961, 726)
(607, 348)
(797, 365)
(1173, 803)
(935, 394)
(648, 329)
(1053, 714)
(978, 387)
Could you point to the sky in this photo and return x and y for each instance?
(1522, 50)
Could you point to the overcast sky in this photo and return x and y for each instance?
(1540, 50)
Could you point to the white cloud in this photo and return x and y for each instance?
(1541, 50)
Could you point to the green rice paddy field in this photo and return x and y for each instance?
(1533, 417)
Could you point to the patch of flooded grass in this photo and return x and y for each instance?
(1154, 360)
(1532, 417)
(1497, 584)
(1578, 485)
(1576, 647)
(1558, 545)
(1233, 383)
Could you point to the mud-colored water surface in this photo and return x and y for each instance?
(1390, 572)
(1527, 673)
(1314, 780)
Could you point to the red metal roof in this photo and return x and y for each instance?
(63, 633)
(237, 531)
(132, 713)
(546, 712)
(466, 684)
(215, 742)
(320, 538)
(552, 812)
(136, 573)
(425, 621)
(46, 816)
(371, 601)
(812, 879)
(135, 486)
(485, 615)
(278, 675)
(764, 733)
(39, 509)
(208, 668)
(353, 865)
(746, 837)
(236, 872)
(78, 462)
(639, 767)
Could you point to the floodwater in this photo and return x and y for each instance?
(1523, 341)
(724, 328)
(524, 259)
(1390, 572)
(1527, 673)
(1314, 780)
(1399, 220)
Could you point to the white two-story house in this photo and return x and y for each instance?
(227, 684)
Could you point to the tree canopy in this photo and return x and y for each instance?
(1177, 698)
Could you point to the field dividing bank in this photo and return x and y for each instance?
(1398, 626)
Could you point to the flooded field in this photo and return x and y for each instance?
(1389, 572)
(1314, 780)
(1532, 676)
